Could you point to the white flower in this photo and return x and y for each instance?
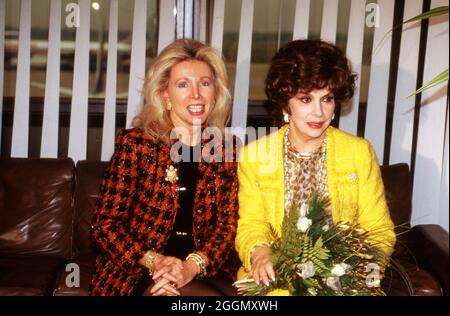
(303, 224)
(303, 210)
(326, 227)
(340, 269)
(312, 291)
(334, 283)
(306, 270)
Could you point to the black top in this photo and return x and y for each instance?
(181, 241)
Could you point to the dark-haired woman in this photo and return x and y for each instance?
(306, 81)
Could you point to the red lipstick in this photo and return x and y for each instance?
(315, 125)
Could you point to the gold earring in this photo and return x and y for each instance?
(286, 118)
(332, 118)
(169, 106)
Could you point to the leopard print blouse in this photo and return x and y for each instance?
(304, 173)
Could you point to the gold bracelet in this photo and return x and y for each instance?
(200, 262)
(149, 260)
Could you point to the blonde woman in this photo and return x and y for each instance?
(166, 216)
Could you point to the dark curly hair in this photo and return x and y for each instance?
(305, 65)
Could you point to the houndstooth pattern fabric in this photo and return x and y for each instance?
(136, 210)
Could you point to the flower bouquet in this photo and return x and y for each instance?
(314, 256)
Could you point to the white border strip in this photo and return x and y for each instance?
(301, 21)
(137, 63)
(355, 40)
(50, 123)
(241, 87)
(166, 23)
(109, 116)
(217, 24)
(19, 144)
(329, 20)
(80, 94)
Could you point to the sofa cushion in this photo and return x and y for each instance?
(28, 274)
(36, 206)
(397, 190)
(88, 176)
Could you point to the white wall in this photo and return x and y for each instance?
(428, 193)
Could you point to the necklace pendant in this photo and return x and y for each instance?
(171, 174)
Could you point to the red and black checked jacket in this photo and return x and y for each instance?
(136, 210)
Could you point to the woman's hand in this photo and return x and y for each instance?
(169, 279)
(165, 263)
(162, 265)
(262, 268)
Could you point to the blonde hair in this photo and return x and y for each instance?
(154, 118)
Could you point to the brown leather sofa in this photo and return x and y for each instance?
(46, 207)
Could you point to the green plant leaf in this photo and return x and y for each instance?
(429, 14)
(442, 77)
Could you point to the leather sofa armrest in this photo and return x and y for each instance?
(429, 245)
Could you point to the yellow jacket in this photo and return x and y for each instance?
(354, 184)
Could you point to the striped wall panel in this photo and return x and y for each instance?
(442, 213)
(137, 67)
(109, 116)
(301, 22)
(50, 124)
(202, 7)
(403, 119)
(180, 18)
(349, 113)
(217, 24)
(401, 129)
(19, 142)
(432, 126)
(80, 90)
(166, 23)
(188, 30)
(329, 20)
(379, 76)
(241, 86)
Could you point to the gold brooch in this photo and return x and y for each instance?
(171, 174)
